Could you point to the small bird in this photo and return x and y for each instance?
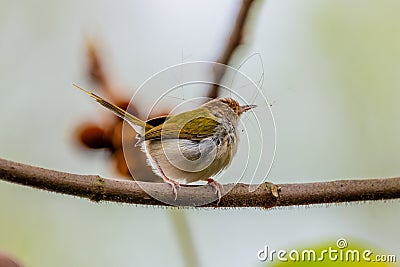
(190, 146)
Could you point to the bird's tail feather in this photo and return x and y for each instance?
(135, 122)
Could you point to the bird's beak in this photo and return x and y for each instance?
(246, 108)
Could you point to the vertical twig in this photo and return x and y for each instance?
(235, 39)
(184, 237)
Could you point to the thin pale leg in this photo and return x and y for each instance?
(217, 186)
(171, 182)
(173, 185)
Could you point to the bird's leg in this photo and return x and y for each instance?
(173, 185)
(217, 186)
(169, 181)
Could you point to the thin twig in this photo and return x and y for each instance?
(234, 40)
(184, 236)
(266, 195)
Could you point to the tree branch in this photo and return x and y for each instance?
(267, 195)
(234, 40)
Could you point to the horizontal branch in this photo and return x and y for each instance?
(266, 195)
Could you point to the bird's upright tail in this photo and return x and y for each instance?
(135, 122)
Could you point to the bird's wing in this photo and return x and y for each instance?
(192, 125)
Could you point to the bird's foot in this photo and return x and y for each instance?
(217, 186)
(173, 185)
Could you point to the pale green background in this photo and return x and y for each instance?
(331, 70)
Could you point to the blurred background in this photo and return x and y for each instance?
(331, 73)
